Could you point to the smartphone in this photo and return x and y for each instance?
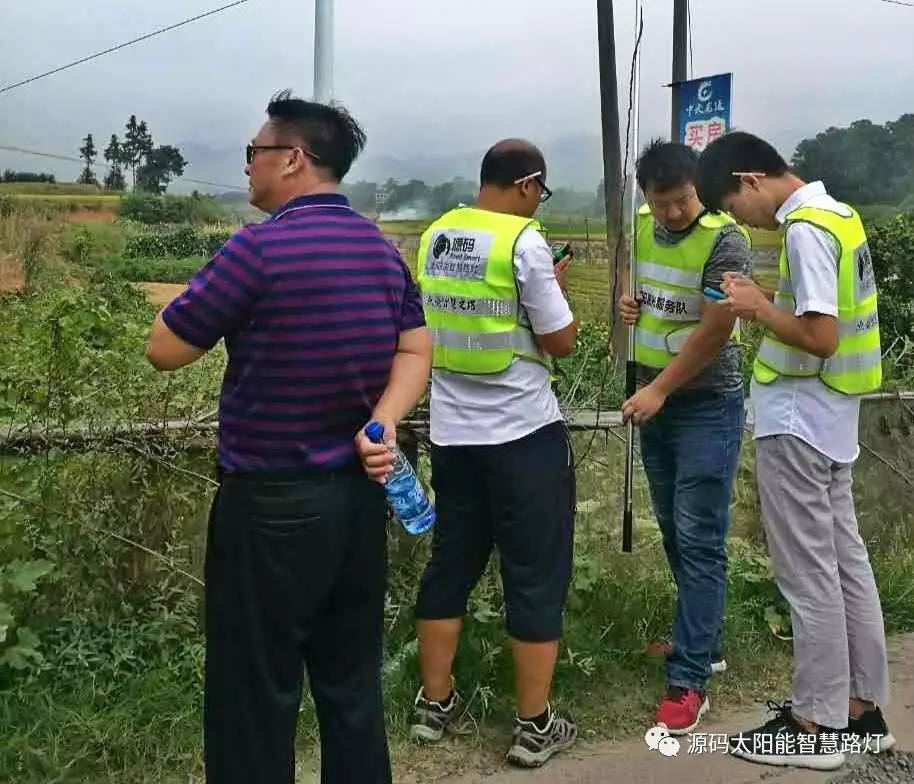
(560, 251)
(714, 293)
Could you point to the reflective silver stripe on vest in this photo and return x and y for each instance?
(793, 362)
(519, 339)
(661, 272)
(470, 306)
(669, 305)
(650, 339)
(789, 361)
(846, 363)
(858, 326)
(675, 340)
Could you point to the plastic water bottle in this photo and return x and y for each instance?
(405, 493)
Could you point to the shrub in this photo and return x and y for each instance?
(149, 209)
(892, 246)
(185, 241)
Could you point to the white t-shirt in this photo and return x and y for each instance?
(496, 408)
(805, 407)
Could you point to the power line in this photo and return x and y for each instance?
(898, 2)
(691, 50)
(70, 158)
(121, 46)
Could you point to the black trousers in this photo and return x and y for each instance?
(295, 575)
(519, 498)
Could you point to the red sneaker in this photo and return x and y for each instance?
(681, 710)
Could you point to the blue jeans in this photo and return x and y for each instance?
(690, 450)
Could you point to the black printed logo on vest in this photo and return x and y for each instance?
(442, 245)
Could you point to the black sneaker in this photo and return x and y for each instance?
(533, 746)
(782, 741)
(431, 719)
(868, 733)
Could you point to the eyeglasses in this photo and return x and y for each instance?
(748, 174)
(253, 149)
(537, 177)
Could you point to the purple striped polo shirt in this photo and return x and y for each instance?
(310, 303)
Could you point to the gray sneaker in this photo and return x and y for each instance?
(431, 719)
(533, 747)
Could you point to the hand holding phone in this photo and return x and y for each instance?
(560, 251)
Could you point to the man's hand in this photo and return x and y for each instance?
(643, 405)
(744, 297)
(378, 459)
(629, 309)
(560, 271)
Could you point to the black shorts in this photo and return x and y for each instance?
(519, 497)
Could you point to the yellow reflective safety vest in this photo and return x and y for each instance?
(856, 366)
(469, 292)
(669, 280)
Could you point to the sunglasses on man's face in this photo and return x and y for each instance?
(252, 149)
(537, 177)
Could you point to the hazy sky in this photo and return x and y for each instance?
(437, 78)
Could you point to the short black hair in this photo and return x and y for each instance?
(330, 132)
(508, 161)
(736, 151)
(664, 165)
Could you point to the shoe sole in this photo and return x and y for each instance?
(886, 742)
(524, 758)
(423, 734)
(705, 707)
(810, 761)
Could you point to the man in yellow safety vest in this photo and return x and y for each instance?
(689, 408)
(501, 460)
(820, 352)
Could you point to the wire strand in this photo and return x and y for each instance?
(120, 46)
(54, 156)
(691, 49)
(621, 232)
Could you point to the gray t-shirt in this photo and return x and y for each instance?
(730, 254)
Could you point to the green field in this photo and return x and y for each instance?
(50, 189)
(567, 228)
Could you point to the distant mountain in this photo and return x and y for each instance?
(573, 161)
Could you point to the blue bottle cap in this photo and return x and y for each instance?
(375, 432)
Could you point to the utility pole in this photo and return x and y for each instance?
(612, 153)
(680, 59)
(323, 51)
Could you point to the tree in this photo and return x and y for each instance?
(137, 145)
(114, 154)
(161, 164)
(88, 153)
(865, 163)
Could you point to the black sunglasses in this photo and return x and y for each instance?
(537, 177)
(253, 149)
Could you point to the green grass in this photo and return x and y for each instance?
(50, 188)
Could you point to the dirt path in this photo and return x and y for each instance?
(161, 293)
(631, 762)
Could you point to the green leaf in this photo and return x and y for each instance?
(6, 620)
(24, 653)
(23, 576)
(779, 625)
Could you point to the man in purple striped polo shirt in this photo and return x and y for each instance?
(324, 331)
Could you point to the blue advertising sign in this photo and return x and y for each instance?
(704, 109)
